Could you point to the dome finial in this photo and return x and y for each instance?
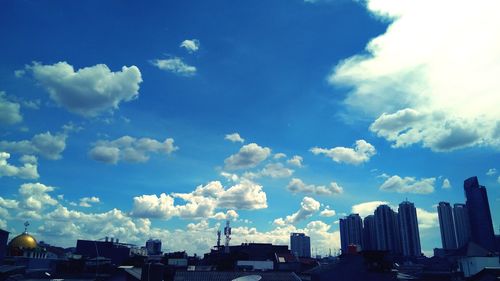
(26, 224)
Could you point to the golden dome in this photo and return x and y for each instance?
(23, 241)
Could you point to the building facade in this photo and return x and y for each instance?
(387, 230)
(351, 231)
(153, 247)
(300, 245)
(408, 228)
(481, 224)
(369, 234)
(462, 225)
(446, 226)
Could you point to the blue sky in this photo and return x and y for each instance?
(164, 119)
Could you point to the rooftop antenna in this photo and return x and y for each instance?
(227, 233)
(26, 224)
(218, 239)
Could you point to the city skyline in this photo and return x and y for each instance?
(166, 119)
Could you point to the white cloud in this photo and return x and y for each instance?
(296, 185)
(249, 156)
(366, 208)
(190, 45)
(279, 155)
(88, 201)
(34, 196)
(276, 170)
(129, 149)
(29, 169)
(362, 152)
(44, 144)
(89, 91)
(202, 202)
(431, 82)
(409, 185)
(491, 172)
(295, 161)
(498, 179)
(176, 66)
(327, 213)
(234, 137)
(308, 207)
(427, 219)
(230, 176)
(10, 112)
(446, 183)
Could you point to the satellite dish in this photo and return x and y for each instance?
(248, 278)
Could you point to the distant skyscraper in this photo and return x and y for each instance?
(462, 225)
(446, 226)
(478, 207)
(153, 246)
(300, 245)
(351, 230)
(369, 234)
(387, 230)
(408, 229)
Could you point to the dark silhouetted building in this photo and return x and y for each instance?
(153, 246)
(462, 225)
(116, 252)
(478, 207)
(387, 230)
(351, 231)
(408, 229)
(369, 234)
(300, 245)
(4, 237)
(446, 226)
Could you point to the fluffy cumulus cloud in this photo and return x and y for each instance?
(234, 137)
(191, 45)
(491, 172)
(362, 152)
(296, 185)
(129, 149)
(446, 184)
(249, 156)
(88, 201)
(88, 91)
(45, 144)
(409, 185)
(28, 170)
(35, 196)
(427, 219)
(273, 170)
(175, 65)
(10, 112)
(432, 83)
(308, 207)
(366, 208)
(296, 160)
(327, 212)
(202, 202)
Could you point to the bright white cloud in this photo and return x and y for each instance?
(276, 170)
(431, 82)
(362, 152)
(427, 219)
(190, 45)
(308, 207)
(88, 201)
(279, 155)
(327, 213)
(202, 202)
(491, 172)
(29, 169)
(296, 160)
(129, 149)
(234, 137)
(409, 185)
(89, 91)
(366, 208)
(10, 112)
(44, 144)
(176, 66)
(249, 156)
(296, 185)
(446, 184)
(34, 196)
